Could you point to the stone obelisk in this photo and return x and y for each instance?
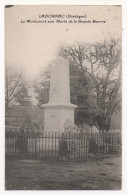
(59, 108)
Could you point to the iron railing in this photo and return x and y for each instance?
(62, 146)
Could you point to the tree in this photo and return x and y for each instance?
(82, 95)
(12, 87)
(95, 81)
(23, 97)
(101, 62)
(41, 87)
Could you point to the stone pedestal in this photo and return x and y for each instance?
(59, 108)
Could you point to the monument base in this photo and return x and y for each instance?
(55, 115)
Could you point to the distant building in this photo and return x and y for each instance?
(24, 116)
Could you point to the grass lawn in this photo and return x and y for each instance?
(42, 175)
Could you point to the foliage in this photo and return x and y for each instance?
(95, 81)
(69, 126)
(82, 95)
(23, 97)
(12, 87)
(16, 89)
(100, 65)
(41, 87)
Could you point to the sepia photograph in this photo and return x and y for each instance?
(63, 97)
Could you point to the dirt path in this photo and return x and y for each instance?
(40, 175)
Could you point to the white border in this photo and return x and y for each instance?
(124, 76)
(65, 2)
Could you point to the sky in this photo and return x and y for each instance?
(30, 47)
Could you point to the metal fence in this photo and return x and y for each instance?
(62, 146)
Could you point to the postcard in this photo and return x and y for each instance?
(63, 86)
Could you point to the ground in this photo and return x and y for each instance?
(28, 174)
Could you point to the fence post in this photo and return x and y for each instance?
(55, 143)
(39, 143)
(52, 144)
(35, 145)
(45, 143)
(69, 152)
